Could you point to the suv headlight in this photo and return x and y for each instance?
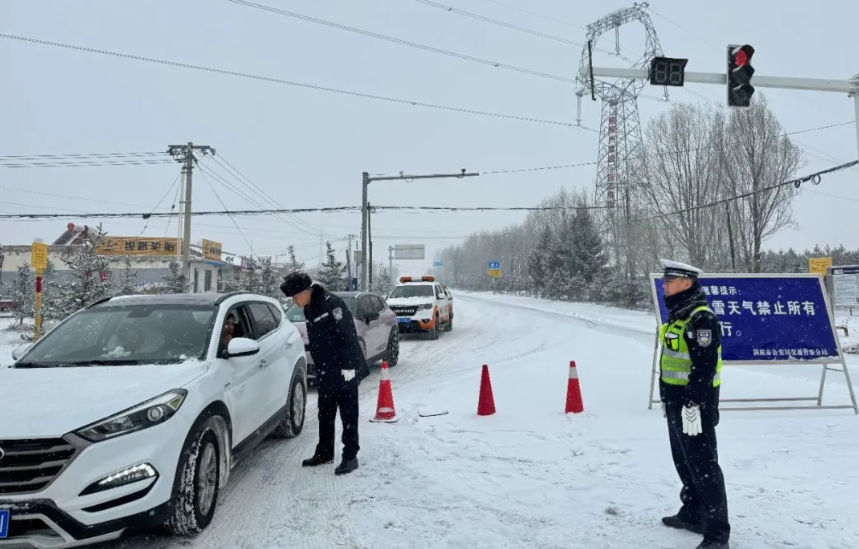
(425, 306)
(147, 414)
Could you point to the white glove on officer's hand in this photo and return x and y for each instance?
(692, 420)
(348, 375)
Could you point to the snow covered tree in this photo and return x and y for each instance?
(332, 273)
(176, 282)
(382, 282)
(91, 276)
(293, 265)
(126, 283)
(24, 293)
(52, 294)
(251, 278)
(269, 280)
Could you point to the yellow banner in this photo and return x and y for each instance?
(211, 250)
(818, 265)
(139, 245)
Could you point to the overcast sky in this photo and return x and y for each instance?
(307, 148)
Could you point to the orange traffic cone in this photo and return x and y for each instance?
(574, 392)
(485, 402)
(385, 411)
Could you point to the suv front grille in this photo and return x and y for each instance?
(29, 465)
(404, 311)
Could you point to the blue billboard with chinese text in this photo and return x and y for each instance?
(767, 318)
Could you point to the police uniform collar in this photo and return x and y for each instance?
(675, 269)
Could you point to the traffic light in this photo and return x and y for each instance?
(667, 71)
(740, 71)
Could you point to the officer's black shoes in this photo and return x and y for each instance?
(316, 460)
(710, 543)
(346, 466)
(675, 521)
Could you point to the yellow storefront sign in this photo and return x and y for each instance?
(211, 250)
(818, 265)
(139, 245)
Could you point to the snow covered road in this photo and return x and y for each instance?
(529, 476)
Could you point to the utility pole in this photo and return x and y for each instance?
(390, 261)
(370, 261)
(349, 259)
(366, 180)
(185, 155)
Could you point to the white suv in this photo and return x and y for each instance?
(422, 305)
(131, 414)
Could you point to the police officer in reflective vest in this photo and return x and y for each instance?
(690, 376)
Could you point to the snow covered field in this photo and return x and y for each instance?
(529, 476)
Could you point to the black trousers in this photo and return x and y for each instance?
(696, 460)
(345, 397)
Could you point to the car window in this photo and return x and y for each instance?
(263, 318)
(294, 313)
(412, 290)
(277, 313)
(439, 293)
(378, 304)
(126, 334)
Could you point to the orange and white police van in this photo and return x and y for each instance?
(422, 306)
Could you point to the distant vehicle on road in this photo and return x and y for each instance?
(132, 412)
(375, 322)
(422, 306)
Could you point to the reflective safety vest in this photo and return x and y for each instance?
(675, 362)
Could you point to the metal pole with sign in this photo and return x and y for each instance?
(39, 262)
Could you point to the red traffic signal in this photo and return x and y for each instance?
(739, 77)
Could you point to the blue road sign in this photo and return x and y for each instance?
(768, 318)
(495, 265)
(436, 264)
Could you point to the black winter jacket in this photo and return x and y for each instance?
(333, 340)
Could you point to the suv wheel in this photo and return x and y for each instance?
(393, 353)
(199, 479)
(293, 423)
(449, 326)
(434, 333)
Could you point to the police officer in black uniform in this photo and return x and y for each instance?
(340, 367)
(690, 377)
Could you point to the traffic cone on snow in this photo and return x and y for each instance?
(385, 411)
(574, 392)
(485, 402)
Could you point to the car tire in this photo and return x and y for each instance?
(196, 495)
(392, 353)
(434, 333)
(449, 326)
(293, 423)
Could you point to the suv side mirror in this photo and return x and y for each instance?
(19, 351)
(242, 346)
(371, 316)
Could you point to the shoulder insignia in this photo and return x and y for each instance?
(338, 313)
(704, 337)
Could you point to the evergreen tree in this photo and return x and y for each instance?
(382, 283)
(53, 291)
(176, 282)
(91, 276)
(251, 278)
(589, 253)
(127, 282)
(537, 261)
(332, 273)
(269, 280)
(24, 293)
(293, 265)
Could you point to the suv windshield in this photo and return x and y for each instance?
(410, 290)
(125, 335)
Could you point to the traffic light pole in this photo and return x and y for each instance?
(849, 87)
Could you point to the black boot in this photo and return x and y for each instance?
(676, 521)
(710, 543)
(316, 460)
(346, 466)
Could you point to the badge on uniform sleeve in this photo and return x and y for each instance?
(338, 313)
(704, 337)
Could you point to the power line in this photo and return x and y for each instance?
(82, 155)
(291, 83)
(157, 205)
(212, 187)
(402, 42)
(83, 164)
(535, 14)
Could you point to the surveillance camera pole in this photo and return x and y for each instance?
(367, 179)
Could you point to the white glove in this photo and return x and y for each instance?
(348, 375)
(692, 421)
